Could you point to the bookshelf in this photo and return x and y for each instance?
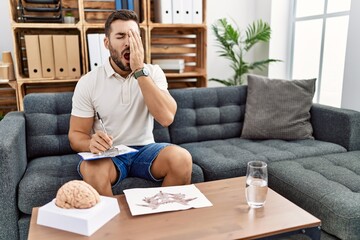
(161, 41)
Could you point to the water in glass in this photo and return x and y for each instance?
(256, 184)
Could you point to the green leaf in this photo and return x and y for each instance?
(224, 82)
(234, 48)
(256, 32)
(262, 64)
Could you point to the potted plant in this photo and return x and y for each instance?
(234, 46)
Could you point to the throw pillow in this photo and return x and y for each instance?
(278, 109)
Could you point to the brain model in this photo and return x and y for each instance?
(77, 194)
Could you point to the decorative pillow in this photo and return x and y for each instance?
(278, 109)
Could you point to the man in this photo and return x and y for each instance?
(128, 95)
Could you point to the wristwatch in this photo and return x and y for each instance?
(141, 72)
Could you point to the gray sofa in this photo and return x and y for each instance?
(321, 175)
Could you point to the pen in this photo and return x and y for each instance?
(104, 130)
(101, 122)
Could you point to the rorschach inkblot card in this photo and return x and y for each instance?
(164, 199)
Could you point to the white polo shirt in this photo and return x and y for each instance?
(119, 102)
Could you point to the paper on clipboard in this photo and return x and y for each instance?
(113, 152)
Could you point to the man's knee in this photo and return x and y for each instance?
(181, 160)
(98, 169)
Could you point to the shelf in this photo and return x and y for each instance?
(184, 75)
(45, 80)
(161, 41)
(54, 84)
(8, 96)
(46, 25)
(11, 83)
(177, 25)
(100, 25)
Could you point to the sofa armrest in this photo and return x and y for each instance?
(13, 162)
(336, 125)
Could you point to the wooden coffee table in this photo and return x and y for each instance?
(228, 218)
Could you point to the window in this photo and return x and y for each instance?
(319, 46)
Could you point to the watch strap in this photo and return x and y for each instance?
(141, 72)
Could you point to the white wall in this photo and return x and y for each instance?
(240, 11)
(280, 39)
(351, 83)
(261, 50)
(5, 29)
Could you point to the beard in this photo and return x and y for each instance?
(117, 58)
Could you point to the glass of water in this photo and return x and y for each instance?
(256, 184)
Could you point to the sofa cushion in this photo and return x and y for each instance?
(208, 114)
(278, 109)
(45, 175)
(221, 159)
(326, 186)
(161, 134)
(47, 124)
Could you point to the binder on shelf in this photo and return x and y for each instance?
(197, 11)
(60, 56)
(73, 55)
(94, 50)
(118, 4)
(177, 11)
(137, 8)
(187, 11)
(124, 4)
(33, 55)
(104, 52)
(163, 11)
(47, 56)
(130, 4)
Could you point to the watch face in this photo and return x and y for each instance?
(142, 72)
(146, 72)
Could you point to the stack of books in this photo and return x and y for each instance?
(170, 65)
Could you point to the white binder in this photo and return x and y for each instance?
(94, 50)
(177, 11)
(104, 52)
(187, 11)
(197, 11)
(163, 11)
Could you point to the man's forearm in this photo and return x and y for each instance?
(80, 142)
(160, 104)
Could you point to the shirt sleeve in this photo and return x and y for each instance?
(81, 102)
(158, 76)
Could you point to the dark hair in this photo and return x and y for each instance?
(123, 14)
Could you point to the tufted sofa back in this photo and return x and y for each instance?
(47, 124)
(208, 114)
(203, 114)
